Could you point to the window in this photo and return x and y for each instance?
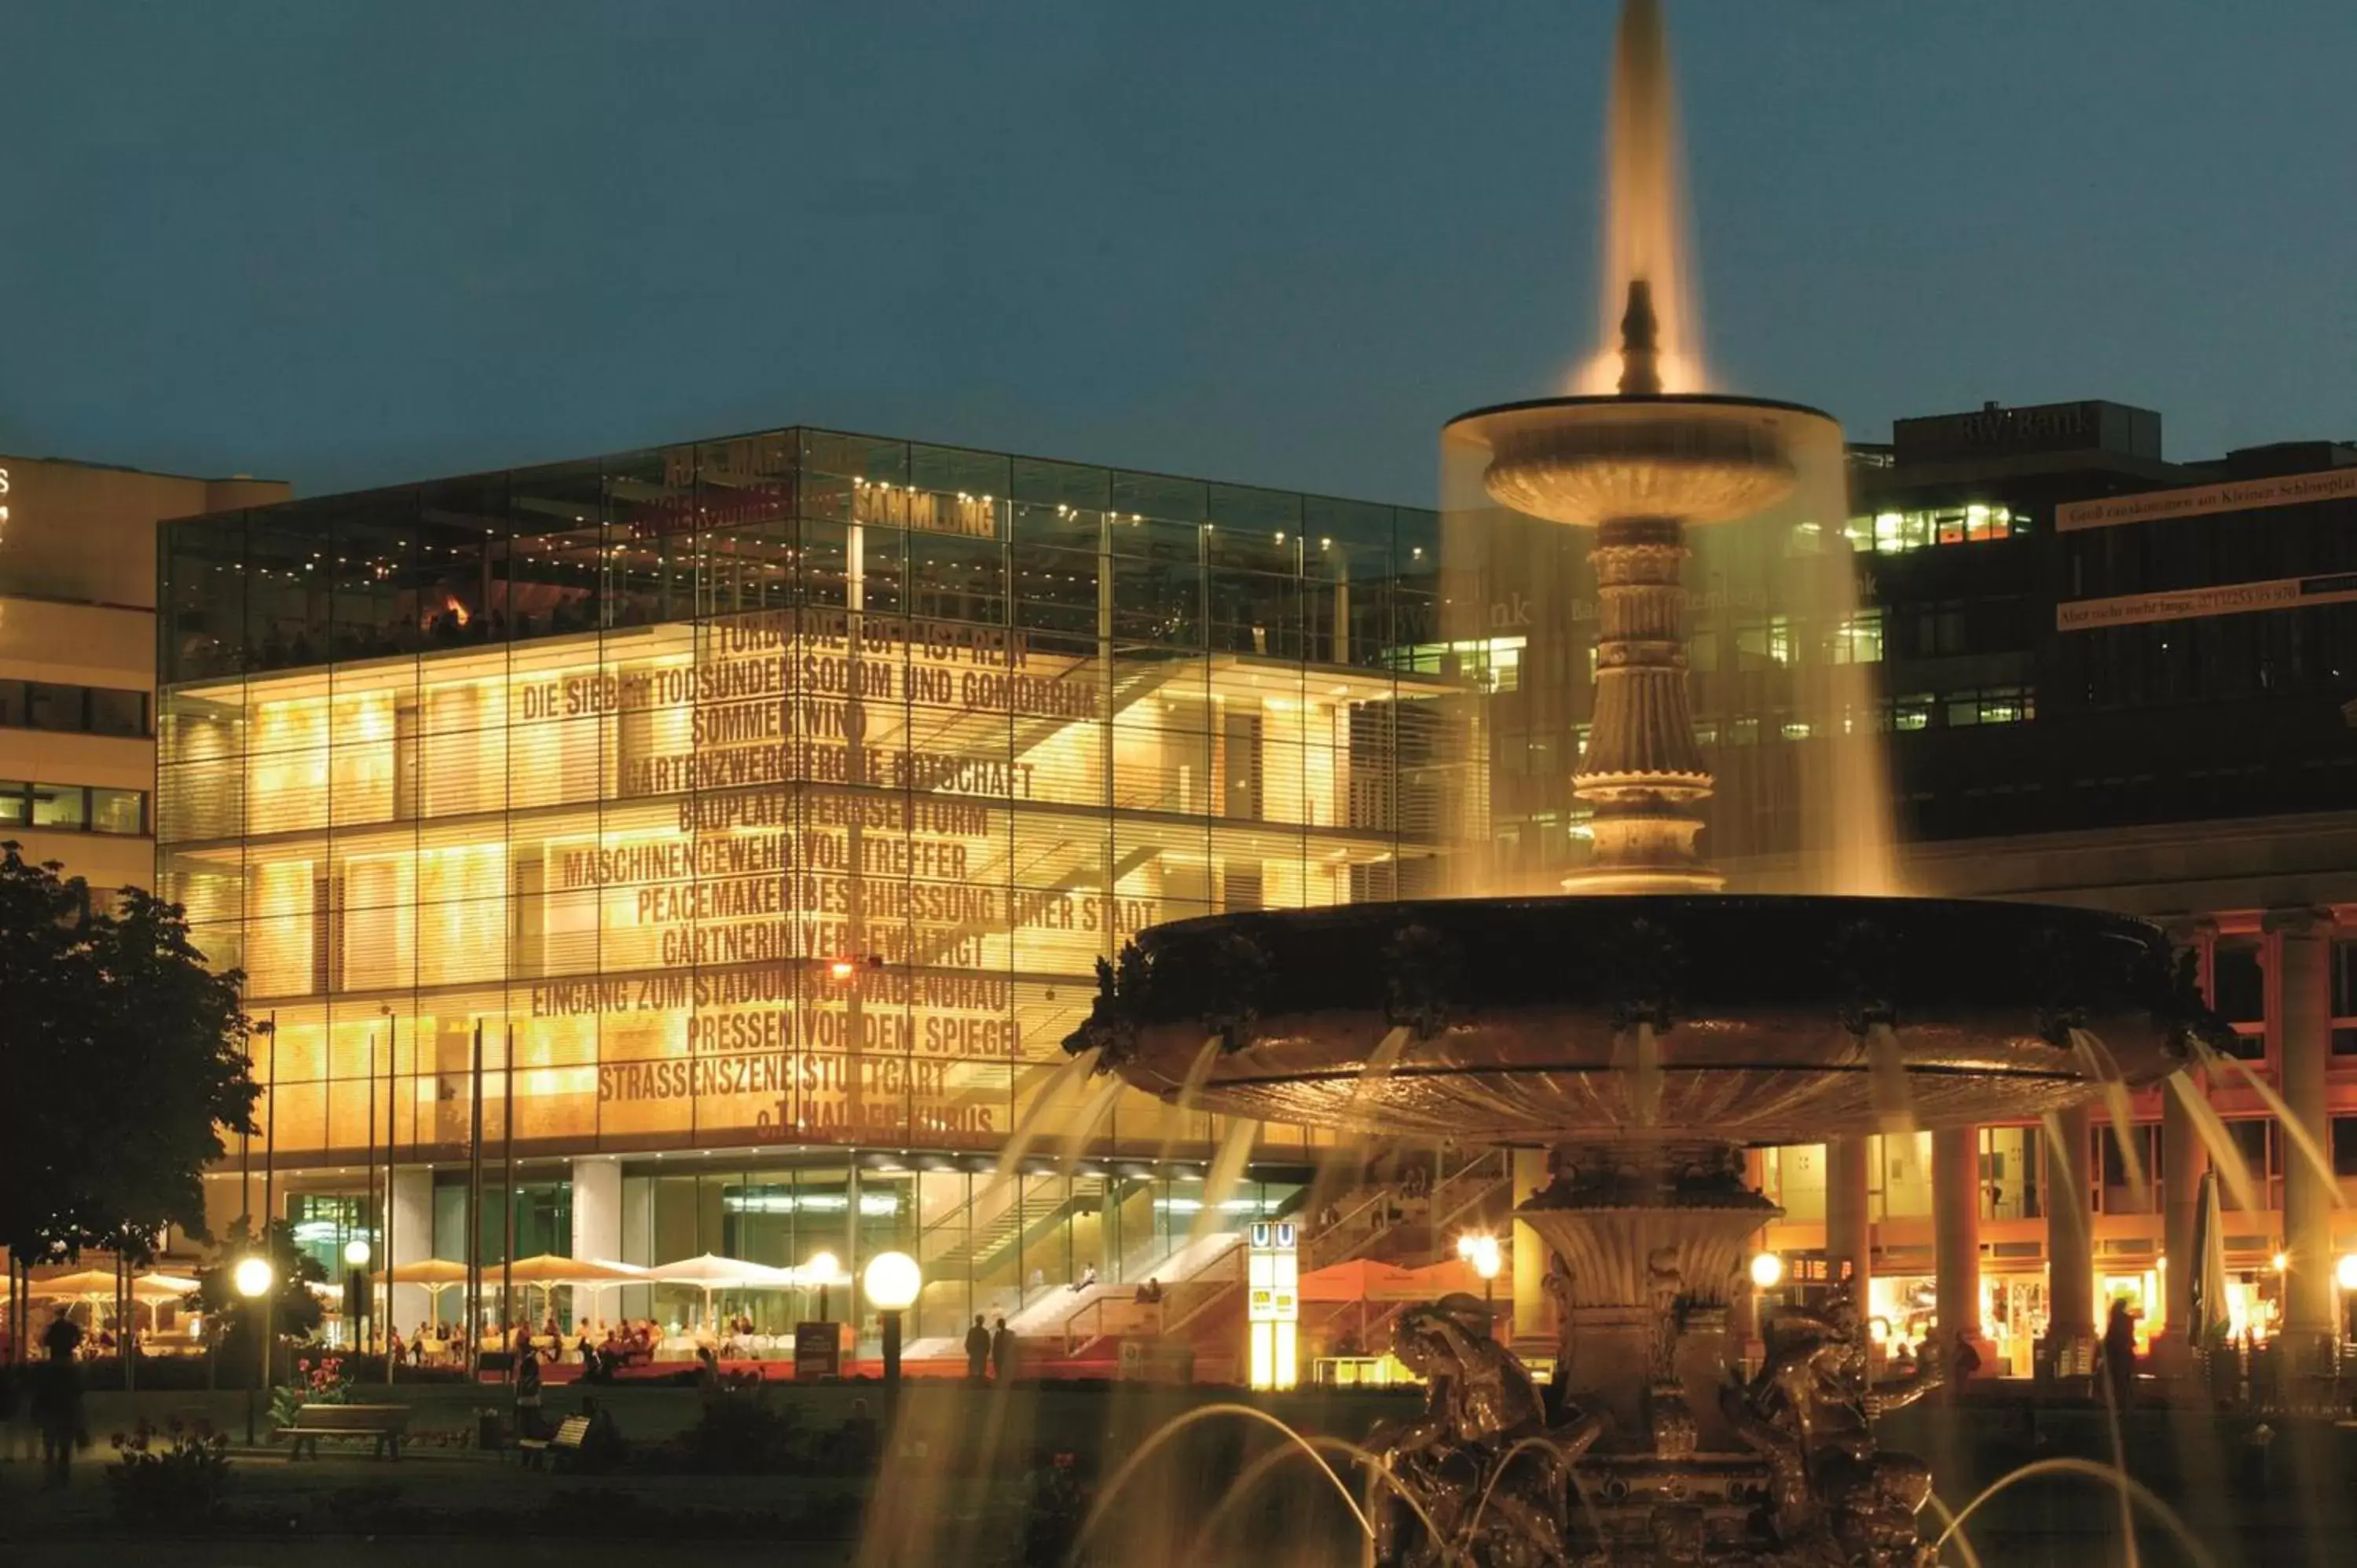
(2238, 983)
(2344, 999)
(53, 708)
(1769, 641)
(1992, 705)
(2344, 1145)
(60, 806)
(118, 812)
(72, 808)
(1858, 639)
(1897, 532)
(2254, 1139)
(117, 712)
(79, 709)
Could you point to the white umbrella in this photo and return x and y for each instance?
(710, 1272)
(2209, 1284)
(548, 1271)
(437, 1274)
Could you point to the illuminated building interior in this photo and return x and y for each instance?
(777, 796)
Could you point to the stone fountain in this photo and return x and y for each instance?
(1646, 1030)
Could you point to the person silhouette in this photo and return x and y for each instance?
(977, 1351)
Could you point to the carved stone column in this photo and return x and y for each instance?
(2184, 1159)
(1956, 1235)
(1849, 1233)
(2070, 1239)
(2303, 944)
(1642, 772)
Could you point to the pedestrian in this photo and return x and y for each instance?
(527, 1395)
(1002, 1352)
(2119, 1351)
(1963, 1360)
(62, 1337)
(977, 1351)
(57, 1403)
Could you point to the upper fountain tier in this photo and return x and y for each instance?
(1589, 461)
(1519, 1015)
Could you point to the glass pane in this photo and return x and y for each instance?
(58, 806)
(118, 810)
(54, 707)
(118, 713)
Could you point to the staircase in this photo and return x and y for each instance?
(1478, 1195)
(1021, 1217)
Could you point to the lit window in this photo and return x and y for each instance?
(1911, 712)
(1897, 532)
(59, 805)
(1858, 639)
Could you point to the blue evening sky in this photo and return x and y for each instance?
(1274, 242)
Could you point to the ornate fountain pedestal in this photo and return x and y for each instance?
(1648, 1244)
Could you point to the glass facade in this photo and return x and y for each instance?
(775, 792)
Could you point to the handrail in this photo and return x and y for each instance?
(1379, 1201)
(1073, 1339)
(1443, 1217)
(1173, 1322)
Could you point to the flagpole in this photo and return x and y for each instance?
(392, 1128)
(475, 1213)
(507, 1200)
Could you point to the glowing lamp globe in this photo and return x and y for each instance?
(892, 1281)
(2345, 1270)
(253, 1277)
(822, 1269)
(1766, 1269)
(1482, 1253)
(356, 1253)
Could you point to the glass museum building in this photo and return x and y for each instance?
(717, 841)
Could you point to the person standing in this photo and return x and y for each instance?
(527, 1393)
(977, 1351)
(2120, 1353)
(57, 1402)
(1964, 1361)
(1002, 1352)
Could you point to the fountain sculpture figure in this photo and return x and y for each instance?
(1646, 1029)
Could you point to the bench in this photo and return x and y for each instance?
(383, 1424)
(567, 1441)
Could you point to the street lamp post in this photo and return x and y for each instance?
(253, 1278)
(359, 1294)
(1481, 1250)
(893, 1279)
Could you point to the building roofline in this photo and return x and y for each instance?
(1432, 507)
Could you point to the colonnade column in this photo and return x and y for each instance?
(1849, 1234)
(2070, 1240)
(2303, 938)
(2184, 1160)
(1956, 1236)
(597, 1222)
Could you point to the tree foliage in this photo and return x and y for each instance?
(126, 1062)
(296, 1311)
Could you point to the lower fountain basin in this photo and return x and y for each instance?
(1521, 1014)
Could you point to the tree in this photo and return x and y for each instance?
(126, 1060)
(230, 1320)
